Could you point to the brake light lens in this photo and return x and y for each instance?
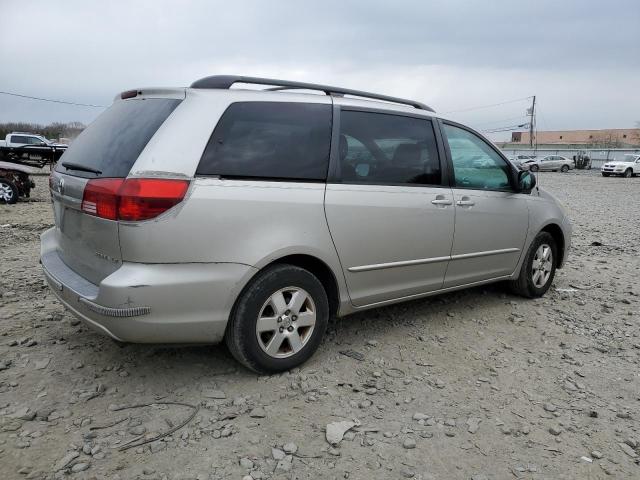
(132, 199)
(144, 198)
(100, 197)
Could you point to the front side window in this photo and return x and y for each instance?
(388, 149)
(270, 140)
(475, 164)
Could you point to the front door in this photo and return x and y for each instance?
(550, 163)
(389, 215)
(491, 219)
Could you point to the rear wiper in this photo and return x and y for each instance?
(82, 168)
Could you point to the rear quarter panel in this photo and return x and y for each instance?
(236, 221)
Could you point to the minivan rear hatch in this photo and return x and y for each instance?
(87, 241)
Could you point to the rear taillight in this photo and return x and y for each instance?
(143, 198)
(132, 199)
(100, 197)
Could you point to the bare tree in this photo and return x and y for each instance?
(54, 130)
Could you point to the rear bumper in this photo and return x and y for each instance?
(150, 303)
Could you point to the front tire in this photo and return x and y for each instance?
(564, 169)
(628, 173)
(538, 269)
(8, 191)
(279, 319)
(534, 168)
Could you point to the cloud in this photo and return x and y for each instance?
(582, 58)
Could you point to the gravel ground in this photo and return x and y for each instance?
(472, 385)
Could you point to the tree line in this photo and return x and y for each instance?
(52, 131)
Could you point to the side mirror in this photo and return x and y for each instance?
(526, 181)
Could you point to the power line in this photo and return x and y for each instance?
(520, 117)
(54, 101)
(508, 128)
(490, 105)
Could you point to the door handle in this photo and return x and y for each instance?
(442, 201)
(465, 202)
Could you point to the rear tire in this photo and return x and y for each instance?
(538, 268)
(8, 191)
(279, 319)
(564, 169)
(628, 173)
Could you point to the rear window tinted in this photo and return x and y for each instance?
(112, 143)
(387, 149)
(270, 140)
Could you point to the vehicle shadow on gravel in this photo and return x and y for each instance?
(384, 325)
(425, 312)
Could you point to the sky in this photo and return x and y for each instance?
(581, 58)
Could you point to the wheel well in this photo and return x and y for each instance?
(322, 273)
(556, 232)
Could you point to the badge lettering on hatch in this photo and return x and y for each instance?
(106, 257)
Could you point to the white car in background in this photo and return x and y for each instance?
(550, 163)
(628, 167)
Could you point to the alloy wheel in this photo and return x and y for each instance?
(6, 192)
(542, 265)
(286, 322)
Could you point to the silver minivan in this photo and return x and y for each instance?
(193, 215)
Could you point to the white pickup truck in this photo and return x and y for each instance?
(627, 167)
(21, 139)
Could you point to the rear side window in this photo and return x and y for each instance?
(112, 143)
(387, 149)
(270, 140)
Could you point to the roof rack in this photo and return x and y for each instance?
(225, 82)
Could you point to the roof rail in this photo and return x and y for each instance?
(226, 81)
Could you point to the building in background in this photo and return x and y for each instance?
(606, 138)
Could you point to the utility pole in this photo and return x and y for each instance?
(532, 123)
